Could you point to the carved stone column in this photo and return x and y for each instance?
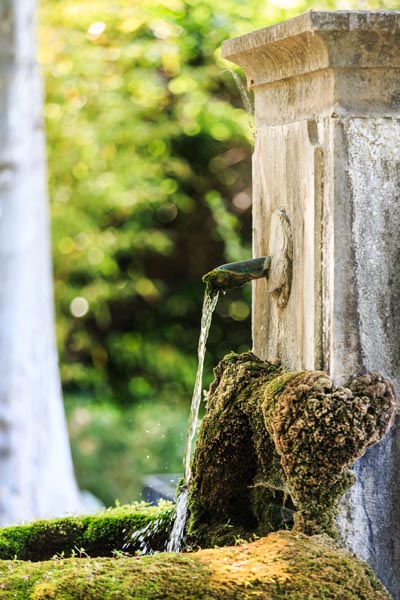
(327, 155)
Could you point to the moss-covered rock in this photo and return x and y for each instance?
(275, 441)
(128, 528)
(237, 486)
(319, 430)
(271, 443)
(284, 565)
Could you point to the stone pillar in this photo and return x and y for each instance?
(327, 154)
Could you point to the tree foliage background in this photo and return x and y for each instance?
(149, 152)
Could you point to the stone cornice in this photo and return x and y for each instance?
(315, 41)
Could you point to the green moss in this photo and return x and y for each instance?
(95, 535)
(319, 431)
(237, 485)
(274, 388)
(282, 566)
(271, 443)
(276, 443)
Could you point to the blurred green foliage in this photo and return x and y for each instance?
(149, 154)
(114, 448)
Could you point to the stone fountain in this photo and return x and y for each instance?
(327, 147)
(287, 421)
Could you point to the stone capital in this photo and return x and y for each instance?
(323, 62)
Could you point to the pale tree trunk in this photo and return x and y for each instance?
(36, 473)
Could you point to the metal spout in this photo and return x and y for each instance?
(234, 275)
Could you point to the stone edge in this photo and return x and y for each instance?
(310, 22)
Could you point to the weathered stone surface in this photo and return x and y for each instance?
(369, 195)
(288, 175)
(327, 152)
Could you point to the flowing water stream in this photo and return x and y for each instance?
(177, 534)
(243, 91)
(246, 95)
(175, 542)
